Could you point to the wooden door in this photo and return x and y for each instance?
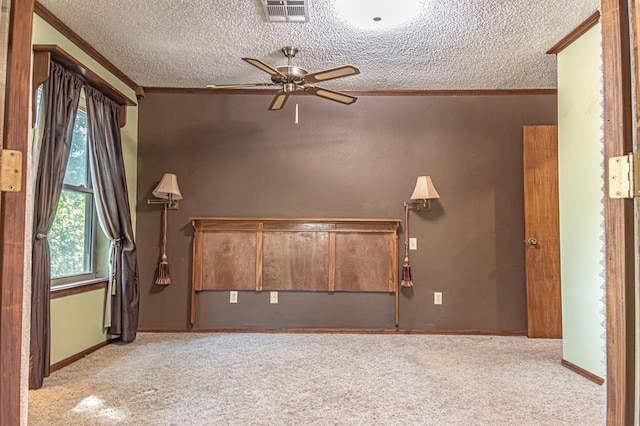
(542, 231)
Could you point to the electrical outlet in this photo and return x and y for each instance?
(413, 244)
(273, 297)
(233, 297)
(437, 298)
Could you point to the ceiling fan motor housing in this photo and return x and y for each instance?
(292, 74)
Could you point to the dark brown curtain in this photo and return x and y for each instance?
(112, 202)
(61, 94)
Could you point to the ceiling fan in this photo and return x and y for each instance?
(291, 78)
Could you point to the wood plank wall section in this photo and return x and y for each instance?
(619, 217)
(13, 206)
(280, 254)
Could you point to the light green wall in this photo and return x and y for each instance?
(581, 169)
(76, 321)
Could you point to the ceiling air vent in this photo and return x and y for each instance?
(286, 10)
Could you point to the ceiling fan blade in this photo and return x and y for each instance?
(278, 101)
(264, 67)
(331, 95)
(231, 86)
(340, 72)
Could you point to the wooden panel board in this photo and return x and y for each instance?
(296, 261)
(230, 261)
(362, 263)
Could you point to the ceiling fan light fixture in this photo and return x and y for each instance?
(374, 14)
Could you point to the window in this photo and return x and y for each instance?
(72, 237)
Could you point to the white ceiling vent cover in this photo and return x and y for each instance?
(286, 10)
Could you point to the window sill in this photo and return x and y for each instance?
(63, 290)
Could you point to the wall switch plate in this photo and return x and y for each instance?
(273, 297)
(413, 244)
(233, 297)
(437, 298)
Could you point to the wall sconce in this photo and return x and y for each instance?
(168, 195)
(423, 193)
(421, 198)
(167, 192)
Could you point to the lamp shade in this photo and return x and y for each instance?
(424, 189)
(168, 185)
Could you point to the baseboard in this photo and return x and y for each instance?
(581, 371)
(338, 331)
(67, 361)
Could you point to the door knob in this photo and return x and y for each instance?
(532, 241)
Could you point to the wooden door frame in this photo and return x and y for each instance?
(619, 216)
(619, 224)
(12, 211)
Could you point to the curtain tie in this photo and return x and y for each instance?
(113, 263)
(40, 236)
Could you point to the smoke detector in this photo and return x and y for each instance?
(286, 10)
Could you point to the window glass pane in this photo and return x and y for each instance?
(70, 235)
(77, 167)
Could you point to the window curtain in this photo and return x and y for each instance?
(114, 215)
(61, 93)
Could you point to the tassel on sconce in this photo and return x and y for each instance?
(168, 195)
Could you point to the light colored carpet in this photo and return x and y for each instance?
(320, 379)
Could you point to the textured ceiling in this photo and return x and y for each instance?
(450, 44)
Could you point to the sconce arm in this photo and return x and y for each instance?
(419, 205)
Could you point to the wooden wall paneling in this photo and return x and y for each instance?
(259, 260)
(196, 272)
(230, 261)
(362, 262)
(393, 266)
(296, 261)
(619, 217)
(332, 261)
(13, 208)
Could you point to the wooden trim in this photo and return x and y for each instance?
(56, 23)
(589, 23)
(581, 371)
(13, 210)
(332, 262)
(122, 116)
(292, 220)
(65, 59)
(270, 92)
(619, 217)
(196, 275)
(78, 289)
(77, 357)
(259, 259)
(507, 333)
(40, 74)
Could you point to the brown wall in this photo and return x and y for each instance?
(235, 158)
